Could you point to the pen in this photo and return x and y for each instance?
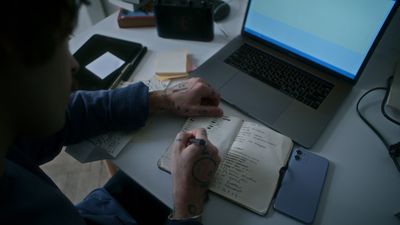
(128, 68)
(199, 142)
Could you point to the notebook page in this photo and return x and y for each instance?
(249, 173)
(220, 131)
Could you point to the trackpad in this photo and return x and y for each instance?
(255, 98)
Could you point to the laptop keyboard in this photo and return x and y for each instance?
(284, 77)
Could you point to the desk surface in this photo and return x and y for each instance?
(362, 186)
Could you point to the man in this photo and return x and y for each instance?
(38, 115)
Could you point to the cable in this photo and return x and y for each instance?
(366, 121)
(394, 149)
(389, 83)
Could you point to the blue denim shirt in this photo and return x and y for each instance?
(27, 194)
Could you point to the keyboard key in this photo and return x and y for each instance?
(282, 76)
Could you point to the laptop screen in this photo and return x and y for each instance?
(334, 34)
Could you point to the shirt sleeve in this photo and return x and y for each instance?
(90, 113)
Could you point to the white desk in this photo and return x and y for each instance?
(362, 186)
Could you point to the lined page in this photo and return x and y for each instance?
(249, 173)
(220, 131)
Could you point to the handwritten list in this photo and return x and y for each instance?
(243, 172)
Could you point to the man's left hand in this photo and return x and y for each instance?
(193, 97)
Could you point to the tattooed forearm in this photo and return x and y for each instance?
(167, 98)
(192, 209)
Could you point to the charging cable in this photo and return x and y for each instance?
(393, 149)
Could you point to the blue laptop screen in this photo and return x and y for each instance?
(334, 34)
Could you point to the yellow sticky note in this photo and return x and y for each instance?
(171, 63)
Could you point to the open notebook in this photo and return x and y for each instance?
(252, 155)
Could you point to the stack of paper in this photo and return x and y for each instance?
(172, 65)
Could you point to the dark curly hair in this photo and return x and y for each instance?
(31, 30)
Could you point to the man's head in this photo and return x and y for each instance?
(36, 65)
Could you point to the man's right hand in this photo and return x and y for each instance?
(193, 167)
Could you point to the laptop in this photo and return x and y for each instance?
(295, 61)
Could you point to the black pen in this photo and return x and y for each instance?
(199, 142)
(127, 70)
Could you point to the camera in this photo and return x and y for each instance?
(185, 19)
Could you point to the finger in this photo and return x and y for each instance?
(201, 80)
(215, 94)
(199, 141)
(200, 137)
(195, 132)
(196, 80)
(210, 101)
(204, 90)
(200, 133)
(205, 110)
(182, 139)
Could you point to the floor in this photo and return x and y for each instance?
(75, 179)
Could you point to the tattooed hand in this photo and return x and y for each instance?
(193, 167)
(193, 97)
